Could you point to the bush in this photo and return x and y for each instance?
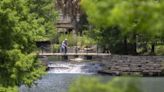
(82, 41)
(56, 48)
(71, 39)
(115, 85)
(8, 89)
(85, 41)
(160, 50)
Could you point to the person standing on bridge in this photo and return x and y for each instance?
(62, 47)
(65, 45)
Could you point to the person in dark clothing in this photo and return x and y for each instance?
(65, 46)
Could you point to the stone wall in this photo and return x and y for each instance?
(133, 65)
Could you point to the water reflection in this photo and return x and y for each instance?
(62, 74)
(60, 83)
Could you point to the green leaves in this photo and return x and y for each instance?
(19, 68)
(46, 14)
(115, 85)
(20, 26)
(8, 89)
(137, 19)
(129, 15)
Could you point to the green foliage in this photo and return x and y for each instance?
(73, 40)
(115, 85)
(127, 14)
(56, 48)
(20, 27)
(85, 41)
(108, 38)
(18, 68)
(70, 37)
(8, 89)
(45, 11)
(160, 50)
(135, 19)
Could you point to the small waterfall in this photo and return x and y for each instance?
(78, 68)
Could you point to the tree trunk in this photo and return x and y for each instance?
(153, 48)
(125, 46)
(134, 44)
(134, 48)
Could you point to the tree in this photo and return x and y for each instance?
(136, 19)
(20, 27)
(45, 11)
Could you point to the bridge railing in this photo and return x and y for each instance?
(73, 50)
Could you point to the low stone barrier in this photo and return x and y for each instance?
(133, 65)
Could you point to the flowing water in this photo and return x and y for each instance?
(74, 68)
(62, 74)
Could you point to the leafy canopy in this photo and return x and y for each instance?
(21, 24)
(144, 16)
(136, 21)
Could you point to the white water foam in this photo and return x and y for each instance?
(76, 68)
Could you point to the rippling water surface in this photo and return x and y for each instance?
(62, 74)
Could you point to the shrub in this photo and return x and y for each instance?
(160, 50)
(56, 48)
(82, 41)
(115, 85)
(8, 89)
(71, 39)
(85, 41)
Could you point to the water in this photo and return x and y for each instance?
(52, 83)
(152, 84)
(62, 74)
(74, 68)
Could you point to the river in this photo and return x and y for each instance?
(62, 74)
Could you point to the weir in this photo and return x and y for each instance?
(67, 56)
(74, 68)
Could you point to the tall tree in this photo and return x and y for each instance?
(20, 27)
(135, 18)
(45, 10)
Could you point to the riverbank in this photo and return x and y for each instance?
(117, 65)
